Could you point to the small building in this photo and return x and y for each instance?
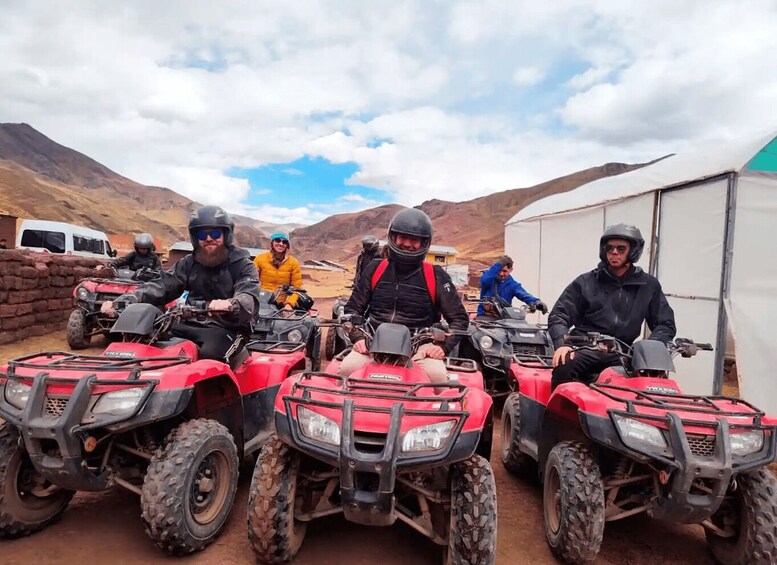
(8, 229)
(438, 254)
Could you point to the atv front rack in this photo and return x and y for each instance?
(270, 346)
(534, 361)
(65, 361)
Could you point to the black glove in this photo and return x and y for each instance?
(505, 260)
(541, 306)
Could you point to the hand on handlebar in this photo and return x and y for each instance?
(561, 355)
(219, 306)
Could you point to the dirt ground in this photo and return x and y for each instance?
(106, 527)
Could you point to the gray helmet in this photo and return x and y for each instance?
(623, 231)
(410, 221)
(370, 243)
(210, 217)
(144, 240)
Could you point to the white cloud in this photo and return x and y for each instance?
(527, 76)
(612, 81)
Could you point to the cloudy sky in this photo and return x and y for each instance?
(293, 111)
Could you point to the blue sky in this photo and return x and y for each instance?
(387, 101)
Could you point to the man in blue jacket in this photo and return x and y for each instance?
(498, 281)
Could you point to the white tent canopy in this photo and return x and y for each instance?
(706, 219)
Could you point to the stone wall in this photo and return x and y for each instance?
(36, 291)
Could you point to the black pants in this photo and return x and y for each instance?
(213, 341)
(584, 368)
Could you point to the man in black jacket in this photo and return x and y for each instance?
(143, 256)
(217, 272)
(402, 295)
(613, 299)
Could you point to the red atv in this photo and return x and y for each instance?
(148, 415)
(380, 445)
(86, 320)
(632, 442)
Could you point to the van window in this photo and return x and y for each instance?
(88, 244)
(54, 241)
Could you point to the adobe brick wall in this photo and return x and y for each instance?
(36, 291)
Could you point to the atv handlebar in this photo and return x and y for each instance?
(595, 341)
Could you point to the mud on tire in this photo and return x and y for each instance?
(513, 459)
(273, 533)
(472, 534)
(573, 500)
(190, 486)
(753, 506)
(76, 330)
(22, 512)
(329, 346)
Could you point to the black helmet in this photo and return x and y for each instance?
(144, 240)
(210, 217)
(623, 231)
(410, 221)
(370, 243)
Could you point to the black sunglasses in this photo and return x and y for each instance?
(618, 248)
(279, 240)
(214, 234)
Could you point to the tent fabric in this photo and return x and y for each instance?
(672, 171)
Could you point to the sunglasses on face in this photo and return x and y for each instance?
(283, 241)
(617, 248)
(204, 234)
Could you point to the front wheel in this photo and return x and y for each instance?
(77, 337)
(746, 522)
(274, 534)
(573, 502)
(190, 486)
(28, 503)
(473, 520)
(515, 461)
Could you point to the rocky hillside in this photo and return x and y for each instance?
(40, 178)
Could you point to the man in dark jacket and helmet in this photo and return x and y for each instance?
(217, 272)
(144, 255)
(613, 299)
(401, 294)
(370, 250)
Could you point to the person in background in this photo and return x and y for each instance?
(370, 251)
(498, 281)
(277, 267)
(3, 244)
(144, 255)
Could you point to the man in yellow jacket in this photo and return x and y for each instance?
(277, 267)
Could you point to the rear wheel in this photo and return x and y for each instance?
(573, 501)
(76, 330)
(190, 486)
(746, 522)
(513, 459)
(473, 521)
(28, 503)
(331, 343)
(274, 534)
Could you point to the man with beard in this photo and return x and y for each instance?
(613, 299)
(217, 272)
(405, 289)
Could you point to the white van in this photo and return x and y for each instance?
(60, 237)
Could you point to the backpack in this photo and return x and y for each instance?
(431, 282)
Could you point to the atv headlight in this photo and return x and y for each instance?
(82, 293)
(294, 335)
(118, 401)
(747, 442)
(317, 427)
(640, 432)
(17, 393)
(428, 438)
(486, 342)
